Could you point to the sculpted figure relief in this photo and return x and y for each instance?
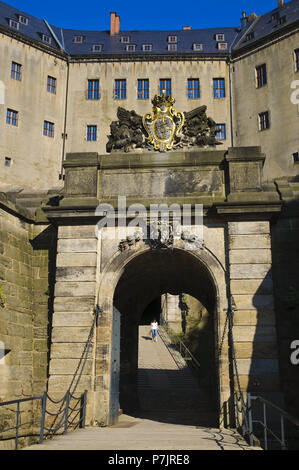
(164, 130)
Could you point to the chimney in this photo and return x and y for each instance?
(280, 3)
(114, 23)
(251, 18)
(186, 28)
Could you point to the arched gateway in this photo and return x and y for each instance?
(122, 277)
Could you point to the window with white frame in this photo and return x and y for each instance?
(172, 39)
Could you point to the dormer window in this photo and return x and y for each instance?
(249, 36)
(46, 38)
(172, 47)
(23, 20)
(222, 46)
(130, 47)
(172, 39)
(125, 39)
(14, 24)
(275, 16)
(78, 39)
(220, 37)
(147, 47)
(97, 47)
(197, 47)
(282, 20)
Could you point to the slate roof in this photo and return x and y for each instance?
(266, 24)
(63, 39)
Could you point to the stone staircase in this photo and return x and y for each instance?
(168, 390)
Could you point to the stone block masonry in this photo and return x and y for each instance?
(75, 291)
(25, 276)
(254, 319)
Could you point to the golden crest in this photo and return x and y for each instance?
(164, 124)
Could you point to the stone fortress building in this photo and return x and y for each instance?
(60, 93)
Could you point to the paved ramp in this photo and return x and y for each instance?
(174, 412)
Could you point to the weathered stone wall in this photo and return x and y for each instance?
(75, 294)
(251, 286)
(280, 141)
(26, 273)
(26, 142)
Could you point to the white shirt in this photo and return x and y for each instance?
(154, 325)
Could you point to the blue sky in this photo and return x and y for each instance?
(146, 15)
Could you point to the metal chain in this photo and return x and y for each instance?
(83, 359)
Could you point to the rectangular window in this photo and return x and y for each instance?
(143, 89)
(147, 47)
(97, 47)
(23, 20)
(78, 39)
(16, 71)
(197, 47)
(261, 75)
(220, 131)
(120, 89)
(93, 90)
(92, 133)
(220, 37)
(51, 85)
(131, 47)
(264, 122)
(193, 88)
(222, 46)
(46, 38)
(172, 47)
(48, 129)
(219, 88)
(14, 24)
(125, 39)
(296, 57)
(296, 157)
(172, 39)
(165, 84)
(7, 161)
(12, 117)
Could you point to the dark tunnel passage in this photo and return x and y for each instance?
(139, 290)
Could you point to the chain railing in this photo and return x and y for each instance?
(63, 416)
(66, 420)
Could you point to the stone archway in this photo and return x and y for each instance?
(197, 273)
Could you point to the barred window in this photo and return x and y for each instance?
(48, 129)
(12, 117)
(51, 85)
(219, 88)
(120, 89)
(264, 121)
(16, 73)
(193, 88)
(261, 75)
(220, 131)
(92, 133)
(143, 89)
(93, 89)
(165, 84)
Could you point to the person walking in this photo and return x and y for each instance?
(154, 327)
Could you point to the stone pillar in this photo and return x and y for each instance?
(171, 312)
(75, 299)
(254, 320)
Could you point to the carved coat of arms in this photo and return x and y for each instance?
(164, 124)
